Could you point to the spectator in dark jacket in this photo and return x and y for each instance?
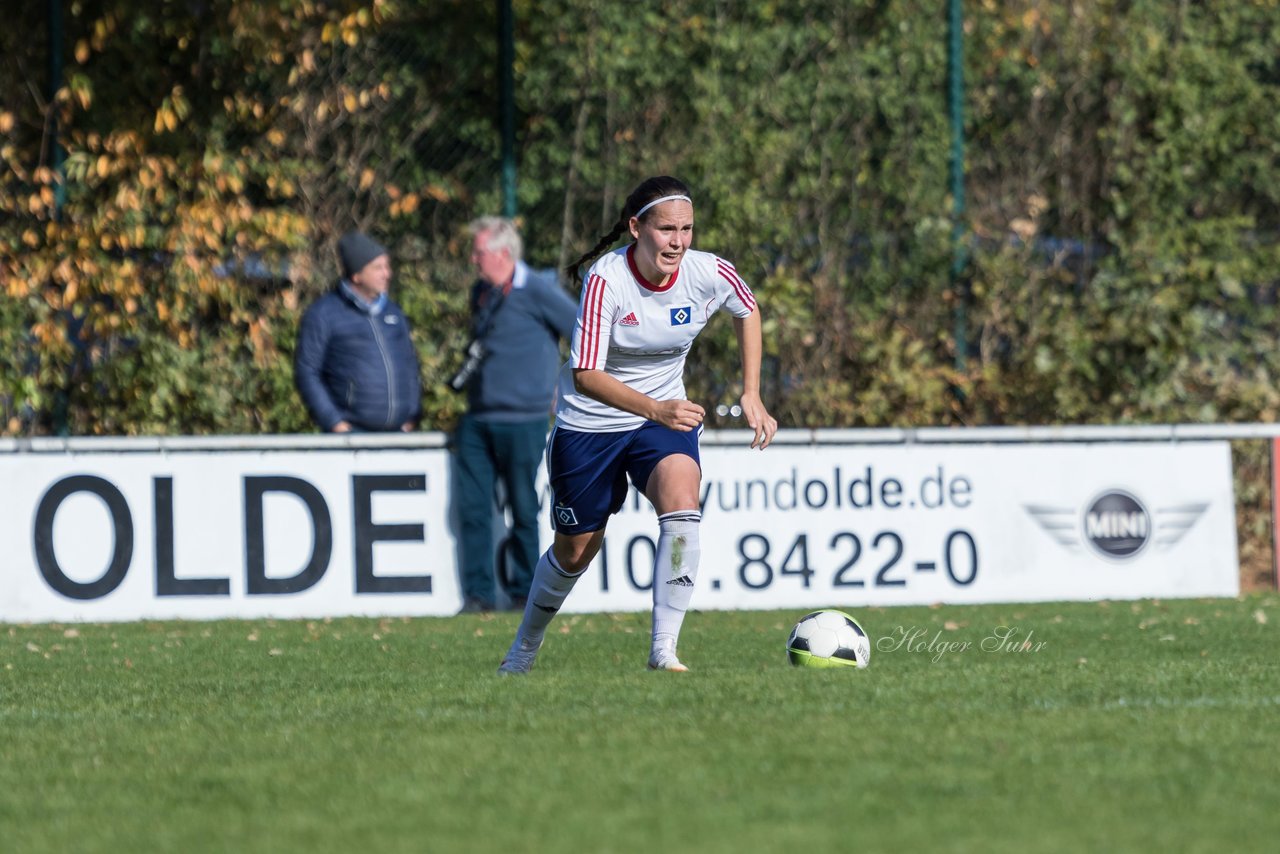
(355, 365)
(518, 316)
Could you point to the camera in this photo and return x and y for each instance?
(475, 355)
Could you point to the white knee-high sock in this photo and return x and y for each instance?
(551, 585)
(674, 573)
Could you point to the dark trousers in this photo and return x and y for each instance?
(489, 452)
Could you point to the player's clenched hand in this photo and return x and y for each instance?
(682, 415)
(763, 425)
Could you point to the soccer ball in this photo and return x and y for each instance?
(828, 638)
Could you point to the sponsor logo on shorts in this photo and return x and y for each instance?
(565, 515)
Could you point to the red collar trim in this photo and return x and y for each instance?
(645, 283)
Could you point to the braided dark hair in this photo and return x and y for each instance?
(650, 189)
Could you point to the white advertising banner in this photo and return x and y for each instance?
(919, 524)
(89, 537)
(203, 535)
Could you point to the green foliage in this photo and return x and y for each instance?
(1122, 229)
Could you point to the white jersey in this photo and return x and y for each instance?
(640, 334)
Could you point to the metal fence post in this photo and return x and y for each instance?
(506, 74)
(955, 103)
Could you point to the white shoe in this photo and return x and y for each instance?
(520, 658)
(664, 658)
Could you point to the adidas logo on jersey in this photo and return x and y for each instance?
(629, 320)
(682, 581)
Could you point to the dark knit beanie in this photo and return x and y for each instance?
(356, 250)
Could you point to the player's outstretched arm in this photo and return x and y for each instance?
(763, 425)
(682, 415)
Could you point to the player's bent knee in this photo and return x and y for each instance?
(574, 552)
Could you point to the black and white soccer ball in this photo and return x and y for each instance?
(828, 638)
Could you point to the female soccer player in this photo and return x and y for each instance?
(621, 409)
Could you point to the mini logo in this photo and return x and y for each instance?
(565, 516)
(682, 581)
(390, 319)
(629, 320)
(681, 316)
(1116, 524)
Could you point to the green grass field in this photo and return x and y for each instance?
(1119, 726)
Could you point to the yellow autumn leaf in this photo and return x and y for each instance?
(104, 166)
(349, 102)
(366, 179)
(6, 122)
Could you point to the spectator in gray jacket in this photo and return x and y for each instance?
(355, 365)
(519, 315)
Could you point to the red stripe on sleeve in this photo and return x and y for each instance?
(730, 275)
(590, 347)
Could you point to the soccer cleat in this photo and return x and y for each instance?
(520, 658)
(663, 657)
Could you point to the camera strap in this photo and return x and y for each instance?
(488, 312)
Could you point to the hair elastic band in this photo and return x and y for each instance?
(640, 212)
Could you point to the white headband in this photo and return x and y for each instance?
(640, 212)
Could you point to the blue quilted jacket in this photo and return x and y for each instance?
(356, 363)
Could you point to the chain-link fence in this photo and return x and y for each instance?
(212, 153)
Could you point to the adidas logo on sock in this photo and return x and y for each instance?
(683, 581)
(629, 320)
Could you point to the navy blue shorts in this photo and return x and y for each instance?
(589, 471)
